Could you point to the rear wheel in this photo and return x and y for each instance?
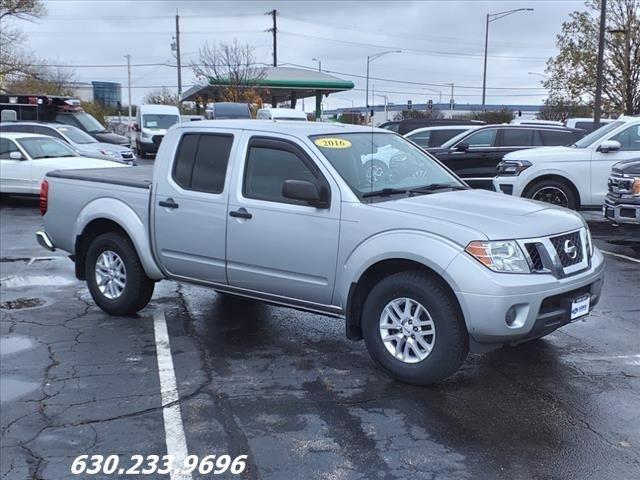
(116, 280)
(552, 191)
(413, 328)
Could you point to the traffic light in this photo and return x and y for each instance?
(409, 104)
(430, 104)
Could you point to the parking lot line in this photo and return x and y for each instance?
(620, 256)
(173, 427)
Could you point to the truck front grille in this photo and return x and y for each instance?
(619, 185)
(569, 248)
(534, 255)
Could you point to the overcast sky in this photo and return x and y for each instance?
(441, 42)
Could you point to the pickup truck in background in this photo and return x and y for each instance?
(622, 204)
(418, 264)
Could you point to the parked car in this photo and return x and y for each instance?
(228, 110)
(574, 176)
(409, 125)
(421, 266)
(152, 122)
(430, 137)
(81, 142)
(26, 158)
(51, 108)
(622, 203)
(281, 114)
(585, 124)
(474, 155)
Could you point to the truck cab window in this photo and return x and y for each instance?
(201, 162)
(267, 169)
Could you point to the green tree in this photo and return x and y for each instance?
(504, 115)
(572, 73)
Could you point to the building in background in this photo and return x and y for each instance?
(108, 94)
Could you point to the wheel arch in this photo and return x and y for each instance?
(557, 177)
(371, 276)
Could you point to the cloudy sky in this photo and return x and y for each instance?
(441, 42)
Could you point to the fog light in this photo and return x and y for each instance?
(511, 316)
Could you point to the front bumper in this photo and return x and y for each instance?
(621, 213)
(542, 302)
(509, 185)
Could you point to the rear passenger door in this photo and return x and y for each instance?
(190, 206)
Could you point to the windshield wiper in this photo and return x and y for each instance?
(384, 192)
(434, 187)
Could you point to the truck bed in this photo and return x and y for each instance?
(138, 177)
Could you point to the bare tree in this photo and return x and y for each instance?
(233, 67)
(161, 96)
(13, 60)
(41, 78)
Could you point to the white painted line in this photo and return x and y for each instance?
(173, 428)
(631, 259)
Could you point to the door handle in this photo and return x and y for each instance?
(168, 203)
(241, 213)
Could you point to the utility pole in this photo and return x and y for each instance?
(128, 57)
(451, 99)
(274, 30)
(178, 56)
(598, 101)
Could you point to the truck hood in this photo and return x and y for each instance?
(493, 215)
(627, 167)
(112, 138)
(550, 154)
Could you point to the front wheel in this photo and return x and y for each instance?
(552, 191)
(116, 280)
(413, 328)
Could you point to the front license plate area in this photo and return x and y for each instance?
(580, 306)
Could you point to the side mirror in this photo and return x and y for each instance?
(306, 192)
(16, 156)
(462, 147)
(609, 146)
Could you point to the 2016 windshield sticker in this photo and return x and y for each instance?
(332, 143)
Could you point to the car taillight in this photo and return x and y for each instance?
(44, 196)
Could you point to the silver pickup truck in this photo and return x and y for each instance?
(418, 264)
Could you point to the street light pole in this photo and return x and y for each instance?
(492, 17)
(319, 63)
(371, 58)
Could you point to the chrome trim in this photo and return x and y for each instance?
(616, 213)
(45, 241)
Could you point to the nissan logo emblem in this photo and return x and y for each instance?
(570, 250)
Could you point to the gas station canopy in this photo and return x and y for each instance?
(278, 84)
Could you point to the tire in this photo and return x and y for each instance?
(377, 169)
(547, 190)
(449, 343)
(138, 288)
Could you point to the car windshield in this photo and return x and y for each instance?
(159, 121)
(384, 164)
(89, 123)
(597, 135)
(76, 135)
(43, 147)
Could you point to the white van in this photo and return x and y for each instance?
(281, 114)
(152, 122)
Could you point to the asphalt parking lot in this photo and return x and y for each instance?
(288, 390)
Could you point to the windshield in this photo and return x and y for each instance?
(159, 121)
(383, 164)
(42, 147)
(89, 123)
(76, 135)
(597, 135)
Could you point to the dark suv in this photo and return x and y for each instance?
(475, 154)
(622, 205)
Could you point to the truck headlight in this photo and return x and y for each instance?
(510, 168)
(503, 256)
(635, 187)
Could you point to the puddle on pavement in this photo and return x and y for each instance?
(21, 281)
(20, 303)
(12, 388)
(14, 344)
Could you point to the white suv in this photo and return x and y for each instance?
(574, 176)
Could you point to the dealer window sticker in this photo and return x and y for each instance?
(332, 143)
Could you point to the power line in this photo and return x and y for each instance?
(414, 51)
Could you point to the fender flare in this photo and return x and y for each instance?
(120, 213)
